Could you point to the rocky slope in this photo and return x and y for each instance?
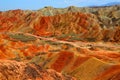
(12, 70)
(84, 61)
(88, 23)
(51, 43)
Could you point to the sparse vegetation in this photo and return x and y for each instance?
(91, 39)
(22, 37)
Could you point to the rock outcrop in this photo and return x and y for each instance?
(12, 70)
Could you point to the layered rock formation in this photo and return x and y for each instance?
(89, 23)
(51, 43)
(84, 61)
(84, 67)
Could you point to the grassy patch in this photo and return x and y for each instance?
(22, 37)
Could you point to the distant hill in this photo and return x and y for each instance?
(111, 4)
(89, 23)
(107, 4)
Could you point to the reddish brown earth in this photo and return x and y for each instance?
(43, 45)
(86, 25)
(12, 70)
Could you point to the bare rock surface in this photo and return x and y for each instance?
(12, 70)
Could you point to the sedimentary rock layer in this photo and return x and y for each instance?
(91, 24)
